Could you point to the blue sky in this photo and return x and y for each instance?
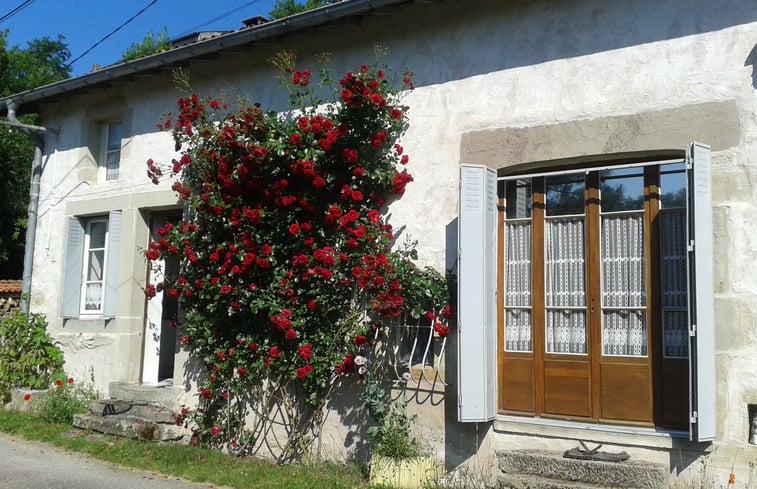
(85, 22)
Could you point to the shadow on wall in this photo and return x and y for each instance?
(751, 60)
(461, 440)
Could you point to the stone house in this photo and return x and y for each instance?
(585, 167)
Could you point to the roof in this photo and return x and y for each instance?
(10, 286)
(253, 32)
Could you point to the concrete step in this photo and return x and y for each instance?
(148, 412)
(165, 396)
(520, 481)
(552, 466)
(131, 427)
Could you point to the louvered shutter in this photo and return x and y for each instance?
(72, 270)
(701, 294)
(476, 326)
(112, 260)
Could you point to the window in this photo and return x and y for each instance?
(93, 281)
(604, 302)
(91, 266)
(112, 133)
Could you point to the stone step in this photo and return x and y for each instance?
(131, 427)
(147, 412)
(165, 396)
(520, 481)
(631, 474)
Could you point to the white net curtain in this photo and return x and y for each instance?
(565, 294)
(624, 328)
(518, 287)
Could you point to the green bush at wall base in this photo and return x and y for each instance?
(29, 357)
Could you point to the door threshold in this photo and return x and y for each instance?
(632, 436)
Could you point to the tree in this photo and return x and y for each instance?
(285, 8)
(42, 62)
(152, 43)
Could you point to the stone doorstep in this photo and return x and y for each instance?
(130, 427)
(116, 407)
(165, 396)
(553, 466)
(520, 481)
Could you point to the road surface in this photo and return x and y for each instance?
(32, 465)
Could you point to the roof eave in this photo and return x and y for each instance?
(242, 37)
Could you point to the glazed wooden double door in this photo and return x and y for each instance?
(592, 291)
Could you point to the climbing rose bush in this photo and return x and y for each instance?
(288, 265)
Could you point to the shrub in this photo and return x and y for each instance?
(65, 399)
(29, 357)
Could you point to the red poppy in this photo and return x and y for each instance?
(27, 397)
(59, 383)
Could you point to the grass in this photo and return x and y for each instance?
(184, 461)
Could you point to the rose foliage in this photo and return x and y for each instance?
(288, 264)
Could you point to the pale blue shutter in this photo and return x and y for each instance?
(111, 267)
(702, 425)
(72, 270)
(477, 317)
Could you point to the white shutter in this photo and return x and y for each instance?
(111, 268)
(476, 285)
(72, 270)
(702, 425)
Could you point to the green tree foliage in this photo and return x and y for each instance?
(285, 8)
(43, 61)
(152, 43)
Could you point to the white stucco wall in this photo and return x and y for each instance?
(480, 66)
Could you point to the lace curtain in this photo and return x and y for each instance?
(565, 285)
(624, 328)
(518, 287)
(674, 283)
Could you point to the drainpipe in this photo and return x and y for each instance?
(35, 134)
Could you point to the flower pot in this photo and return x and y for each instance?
(406, 473)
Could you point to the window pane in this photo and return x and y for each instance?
(675, 333)
(673, 258)
(518, 264)
(518, 330)
(97, 231)
(565, 195)
(673, 186)
(93, 297)
(95, 267)
(114, 136)
(112, 163)
(674, 283)
(623, 264)
(518, 286)
(566, 332)
(624, 333)
(518, 199)
(622, 190)
(564, 262)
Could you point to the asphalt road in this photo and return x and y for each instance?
(32, 465)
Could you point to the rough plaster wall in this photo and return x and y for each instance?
(521, 67)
